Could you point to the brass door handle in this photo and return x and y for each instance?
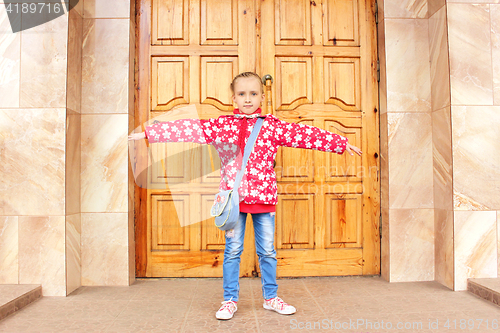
(267, 77)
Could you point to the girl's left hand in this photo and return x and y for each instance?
(350, 148)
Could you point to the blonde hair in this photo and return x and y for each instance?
(247, 75)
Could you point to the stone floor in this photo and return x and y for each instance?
(334, 304)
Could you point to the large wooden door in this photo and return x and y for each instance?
(322, 58)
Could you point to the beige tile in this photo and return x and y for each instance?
(476, 156)
(10, 55)
(443, 243)
(32, 145)
(77, 5)
(410, 140)
(470, 54)
(73, 162)
(442, 159)
(107, 9)
(412, 244)
(75, 40)
(104, 175)
(9, 268)
(44, 64)
(105, 249)
(498, 241)
(73, 252)
(42, 253)
(495, 50)
(408, 72)
(384, 199)
(131, 241)
(105, 66)
(473, 1)
(434, 6)
(405, 8)
(440, 71)
(385, 246)
(475, 248)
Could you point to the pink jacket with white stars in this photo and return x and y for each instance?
(258, 185)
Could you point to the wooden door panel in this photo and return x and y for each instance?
(293, 82)
(293, 23)
(294, 229)
(343, 221)
(341, 22)
(169, 82)
(170, 25)
(170, 215)
(217, 73)
(219, 22)
(342, 82)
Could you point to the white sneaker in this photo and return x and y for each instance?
(279, 306)
(227, 310)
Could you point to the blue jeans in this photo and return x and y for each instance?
(263, 224)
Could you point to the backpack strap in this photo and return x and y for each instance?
(248, 149)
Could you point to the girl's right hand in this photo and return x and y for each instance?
(137, 136)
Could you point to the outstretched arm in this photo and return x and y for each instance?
(182, 130)
(310, 137)
(137, 136)
(350, 148)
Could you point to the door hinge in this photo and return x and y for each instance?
(380, 226)
(378, 70)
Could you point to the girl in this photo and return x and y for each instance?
(258, 187)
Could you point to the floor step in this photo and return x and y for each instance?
(489, 289)
(16, 296)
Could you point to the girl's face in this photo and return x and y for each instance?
(248, 94)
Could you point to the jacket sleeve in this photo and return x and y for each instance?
(308, 137)
(183, 130)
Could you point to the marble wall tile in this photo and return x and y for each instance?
(32, 151)
(442, 159)
(410, 160)
(382, 85)
(131, 61)
(473, 1)
(476, 157)
(498, 241)
(131, 245)
(440, 71)
(74, 79)
(405, 8)
(105, 249)
(107, 9)
(443, 242)
(408, 72)
(384, 198)
(495, 50)
(10, 58)
(42, 253)
(78, 7)
(73, 162)
(44, 64)
(470, 54)
(475, 248)
(105, 66)
(73, 252)
(412, 244)
(9, 268)
(105, 162)
(434, 6)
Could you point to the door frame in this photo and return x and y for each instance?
(371, 205)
